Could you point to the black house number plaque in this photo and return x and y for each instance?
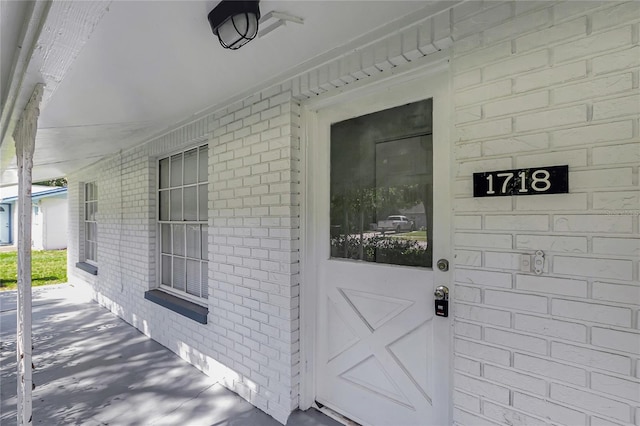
(532, 181)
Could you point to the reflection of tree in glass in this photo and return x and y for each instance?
(361, 207)
(381, 165)
(380, 249)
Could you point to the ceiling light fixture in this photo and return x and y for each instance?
(235, 22)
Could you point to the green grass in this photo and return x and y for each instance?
(413, 235)
(47, 267)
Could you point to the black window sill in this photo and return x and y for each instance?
(183, 307)
(93, 270)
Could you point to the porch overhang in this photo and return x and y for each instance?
(110, 87)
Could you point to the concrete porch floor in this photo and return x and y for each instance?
(92, 368)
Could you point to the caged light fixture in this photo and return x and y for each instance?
(235, 22)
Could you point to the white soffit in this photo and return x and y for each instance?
(158, 60)
(151, 64)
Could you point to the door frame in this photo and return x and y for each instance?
(435, 72)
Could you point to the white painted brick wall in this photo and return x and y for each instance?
(555, 83)
(251, 341)
(534, 84)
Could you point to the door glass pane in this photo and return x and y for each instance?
(382, 186)
(193, 241)
(178, 240)
(190, 203)
(203, 161)
(190, 166)
(193, 277)
(176, 170)
(164, 173)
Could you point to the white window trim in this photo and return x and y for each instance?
(199, 300)
(85, 202)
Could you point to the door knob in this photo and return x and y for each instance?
(441, 293)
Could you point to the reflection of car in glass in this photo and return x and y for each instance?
(396, 223)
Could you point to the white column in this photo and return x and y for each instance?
(25, 137)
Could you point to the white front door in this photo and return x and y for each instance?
(382, 357)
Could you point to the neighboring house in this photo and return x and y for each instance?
(49, 216)
(212, 235)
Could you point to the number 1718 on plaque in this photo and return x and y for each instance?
(532, 181)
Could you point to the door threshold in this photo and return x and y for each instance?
(335, 415)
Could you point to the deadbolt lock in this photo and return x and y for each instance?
(443, 265)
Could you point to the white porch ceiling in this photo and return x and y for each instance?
(151, 64)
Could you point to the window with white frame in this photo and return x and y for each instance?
(182, 222)
(90, 224)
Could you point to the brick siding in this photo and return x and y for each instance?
(533, 84)
(251, 341)
(555, 84)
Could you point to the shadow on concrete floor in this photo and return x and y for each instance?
(94, 369)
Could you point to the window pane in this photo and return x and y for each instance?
(193, 277)
(381, 186)
(190, 203)
(164, 205)
(166, 238)
(203, 160)
(90, 191)
(93, 209)
(176, 204)
(178, 240)
(166, 270)
(202, 203)
(205, 282)
(176, 170)
(193, 241)
(87, 250)
(87, 212)
(164, 173)
(205, 243)
(190, 166)
(89, 230)
(178, 273)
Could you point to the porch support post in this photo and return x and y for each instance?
(25, 136)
